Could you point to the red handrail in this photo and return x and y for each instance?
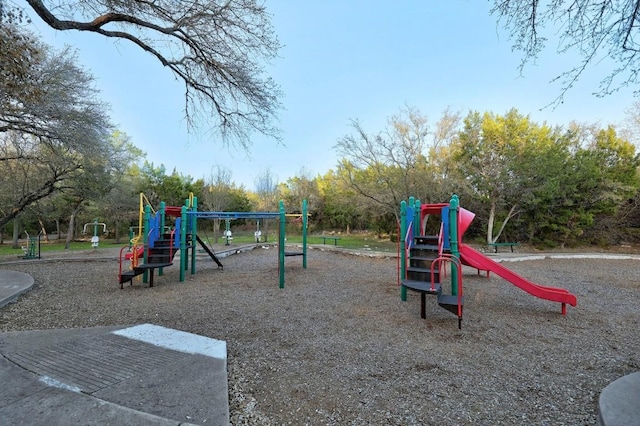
(445, 257)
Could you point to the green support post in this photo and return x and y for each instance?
(281, 242)
(194, 229)
(453, 241)
(403, 259)
(304, 234)
(183, 242)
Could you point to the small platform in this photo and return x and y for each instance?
(618, 403)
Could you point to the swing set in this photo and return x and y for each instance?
(163, 244)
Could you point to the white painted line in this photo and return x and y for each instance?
(58, 384)
(593, 256)
(176, 340)
(520, 259)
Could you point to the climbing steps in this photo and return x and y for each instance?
(160, 254)
(425, 262)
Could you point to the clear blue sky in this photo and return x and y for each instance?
(342, 60)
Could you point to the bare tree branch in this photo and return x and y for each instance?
(217, 48)
(594, 29)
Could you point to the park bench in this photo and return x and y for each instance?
(496, 245)
(335, 240)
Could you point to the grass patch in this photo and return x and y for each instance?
(354, 242)
(53, 246)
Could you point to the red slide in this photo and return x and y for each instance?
(139, 250)
(474, 258)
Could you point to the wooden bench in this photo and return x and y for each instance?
(324, 239)
(496, 245)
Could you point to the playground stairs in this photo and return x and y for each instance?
(159, 256)
(419, 278)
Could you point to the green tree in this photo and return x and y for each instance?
(302, 187)
(340, 205)
(499, 158)
(610, 179)
(173, 189)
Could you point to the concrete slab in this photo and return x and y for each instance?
(54, 406)
(618, 403)
(12, 285)
(17, 384)
(106, 375)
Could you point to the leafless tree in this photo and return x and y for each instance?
(217, 48)
(216, 194)
(266, 187)
(594, 29)
(51, 124)
(389, 166)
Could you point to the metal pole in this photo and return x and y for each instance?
(304, 234)
(281, 242)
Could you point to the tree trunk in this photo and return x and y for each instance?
(16, 234)
(117, 231)
(43, 230)
(492, 218)
(72, 226)
(57, 229)
(506, 220)
(216, 230)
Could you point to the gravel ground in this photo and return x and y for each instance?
(338, 347)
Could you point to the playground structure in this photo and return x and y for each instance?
(32, 249)
(95, 239)
(160, 242)
(423, 258)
